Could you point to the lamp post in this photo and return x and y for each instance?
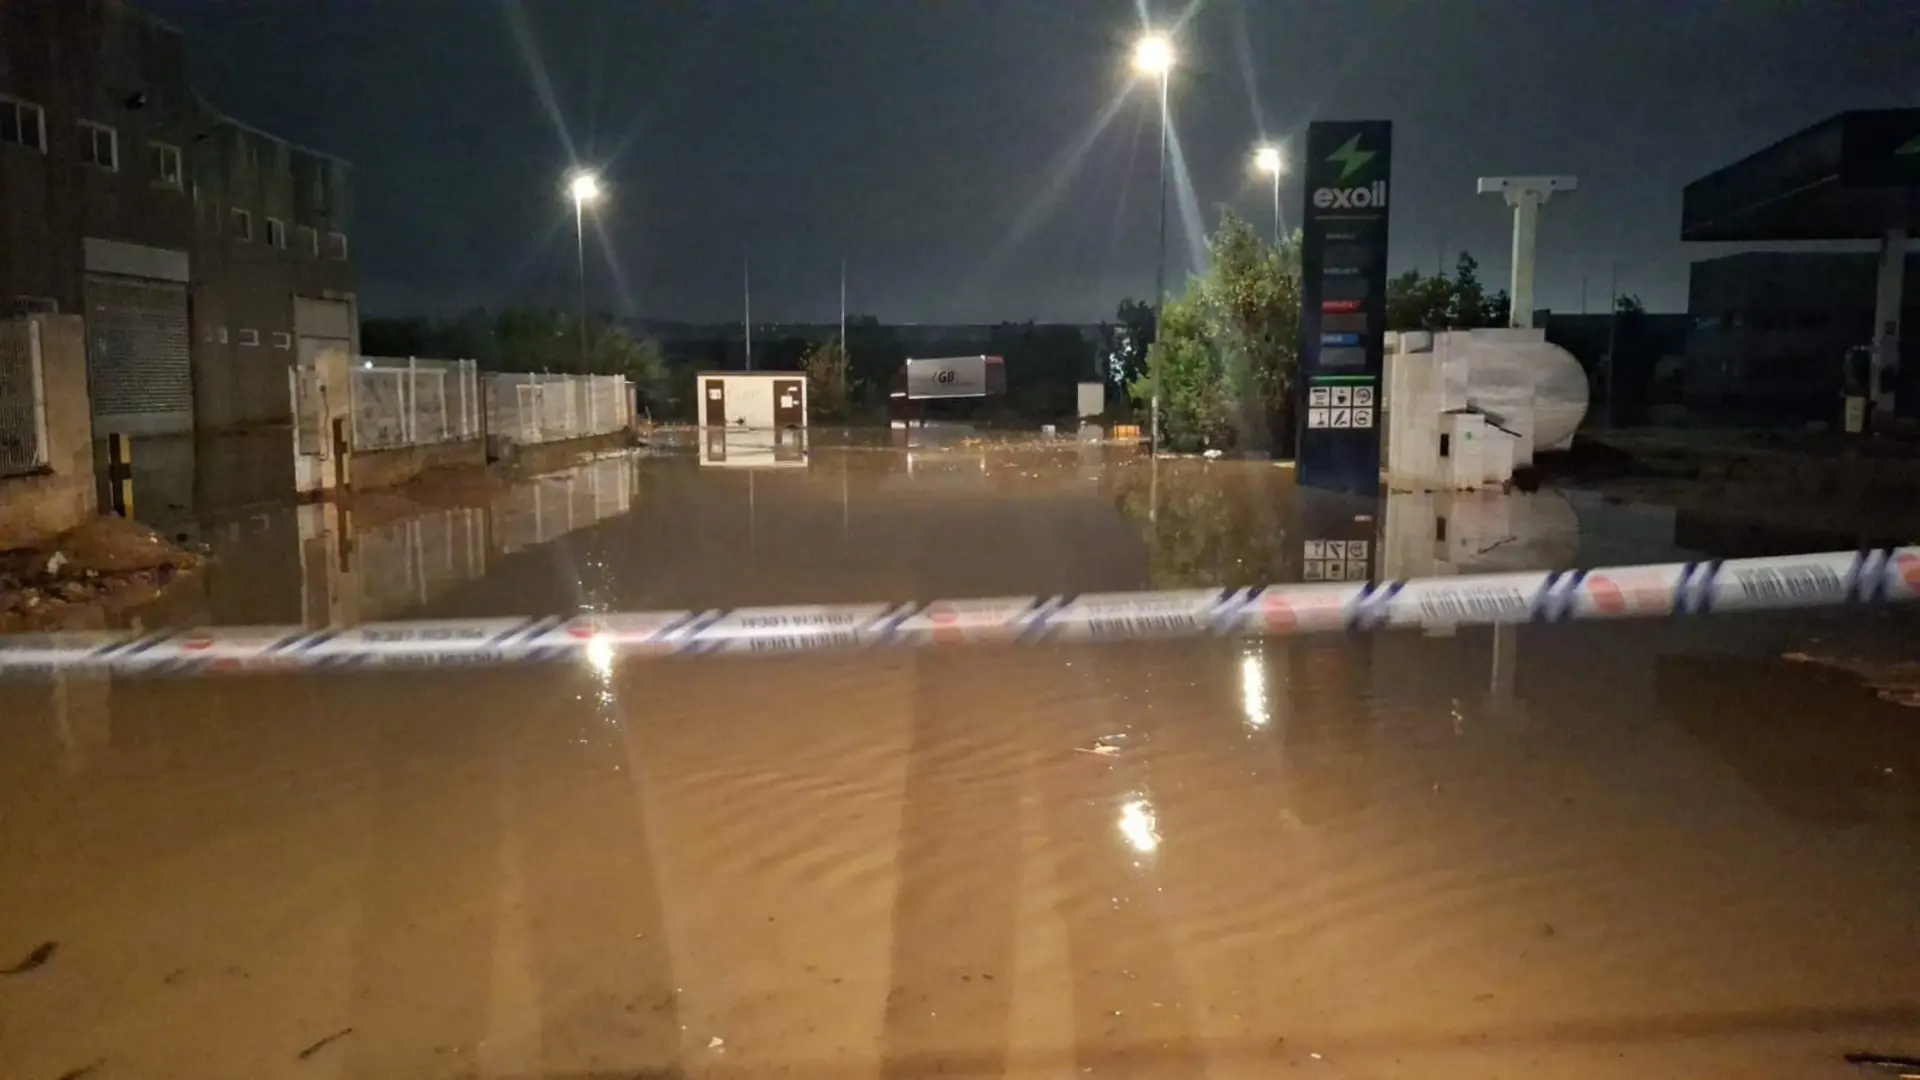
(582, 189)
(1153, 55)
(1267, 159)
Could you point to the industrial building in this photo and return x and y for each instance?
(1772, 330)
(199, 250)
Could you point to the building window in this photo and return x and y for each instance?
(276, 233)
(337, 246)
(223, 335)
(166, 164)
(242, 224)
(282, 339)
(99, 146)
(310, 240)
(23, 124)
(249, 337)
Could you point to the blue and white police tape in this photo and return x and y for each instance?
(1796, 581)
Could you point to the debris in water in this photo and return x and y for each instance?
(1104, 746)
(716, 1043)
(1211, 455)
(84, 1070)
(1909, 1067)
(40, 955)
(58, 560)
(317, 1047)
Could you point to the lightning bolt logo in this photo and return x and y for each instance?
(1350, 158)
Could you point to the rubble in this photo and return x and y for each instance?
(107, 565)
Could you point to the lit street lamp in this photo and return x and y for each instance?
(582, 189)
(1267, 159)
(1153, 55)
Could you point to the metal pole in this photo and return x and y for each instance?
(580, 242)
(746, 316)
(1276, 208)
(1160, 260)
(1613, 339)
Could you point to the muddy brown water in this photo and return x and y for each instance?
(1574, 851)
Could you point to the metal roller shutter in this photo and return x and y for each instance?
(137, 346)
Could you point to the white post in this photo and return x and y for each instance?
(36, 362)
(1526, 228)
(1525, 194)
(461, 372)
(293, 395)
(1886, 315)
(409, 404)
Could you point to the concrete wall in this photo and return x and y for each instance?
(63, 497)
(84, 60)
(105, 62)
(245, 289)
(389, 468)
(545, 457)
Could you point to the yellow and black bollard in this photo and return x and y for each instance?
(120, 474)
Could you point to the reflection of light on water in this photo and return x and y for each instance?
(1138, 825)
(1253, 688)
(600, 656)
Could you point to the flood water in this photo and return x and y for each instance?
(1626, 850)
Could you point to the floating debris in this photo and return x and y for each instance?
(40, 955)
(317, 1047)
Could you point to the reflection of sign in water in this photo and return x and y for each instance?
(1335, 560)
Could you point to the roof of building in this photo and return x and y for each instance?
(1852, 176)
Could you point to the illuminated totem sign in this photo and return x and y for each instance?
(1343, 299)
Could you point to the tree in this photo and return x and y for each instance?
(1227, 354)
(1497, 310)
(828, 390)
(1417, 301)
(1469, 308)
(612, 350)
(1044, 364)
(1125, 356)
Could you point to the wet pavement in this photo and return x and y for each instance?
(1624, 850)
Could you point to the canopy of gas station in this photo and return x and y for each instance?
(1853, 176)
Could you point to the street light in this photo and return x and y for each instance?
(1153, 55)
(1267, 159)
(583, 188)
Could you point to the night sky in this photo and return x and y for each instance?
(935, 145)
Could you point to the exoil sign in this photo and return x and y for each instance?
(1370, 197)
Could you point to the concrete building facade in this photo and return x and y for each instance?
(182, 235)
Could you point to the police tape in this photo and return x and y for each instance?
(1676, 589)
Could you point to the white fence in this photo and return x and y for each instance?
(23, 399)
(403, 401)
(528, 409)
